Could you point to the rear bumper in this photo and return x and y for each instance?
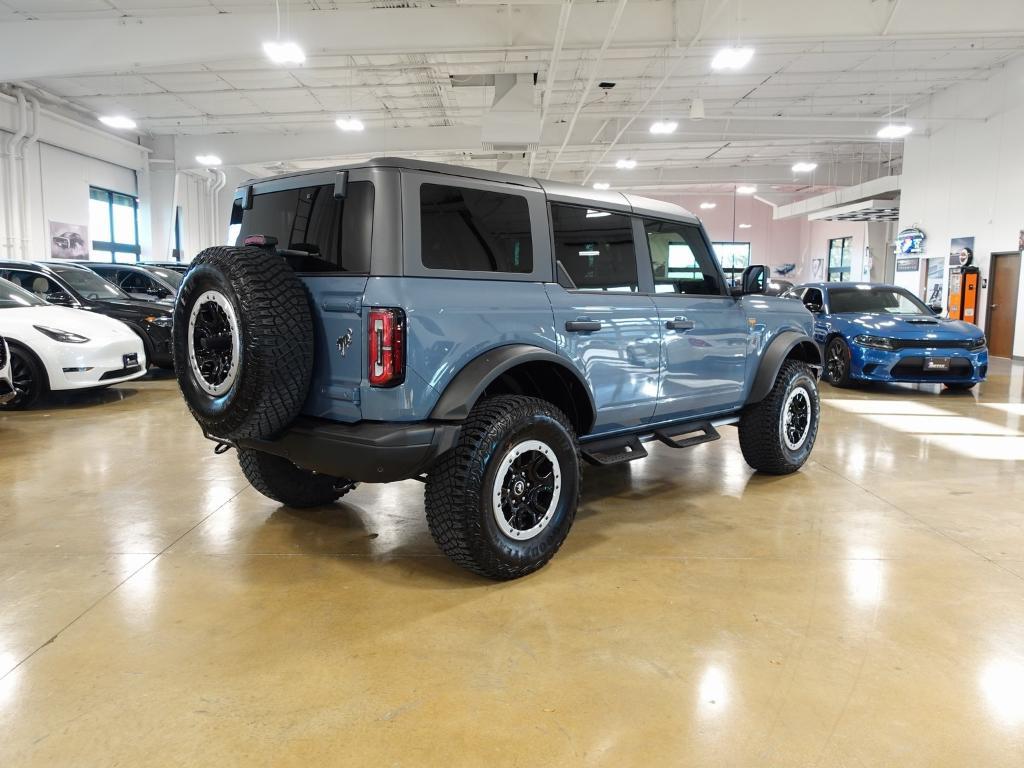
(366, 452)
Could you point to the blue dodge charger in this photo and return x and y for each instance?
(873, 332)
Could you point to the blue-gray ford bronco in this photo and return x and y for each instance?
(482, 333)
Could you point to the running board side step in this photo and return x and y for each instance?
(617, 450)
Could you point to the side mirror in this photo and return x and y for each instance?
(753, 280)
(936, 309)
(812, 307)
(61, 298)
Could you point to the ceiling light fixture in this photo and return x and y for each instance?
(287, 52)
(208, 160)
(804, 167)
(746, 189)
(118, 121)
(732, 58)
(697, 109)
(893, 131)
(664, 126)
(601, 185)
(744, 226)
(625, 165)
(349, 124)
(708, 206)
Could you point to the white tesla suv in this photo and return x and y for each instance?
(58, 348)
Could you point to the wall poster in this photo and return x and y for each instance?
(817, 270)
(69, 241)
(961, 251)
(933, 283)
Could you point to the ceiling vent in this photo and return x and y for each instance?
(513, 123)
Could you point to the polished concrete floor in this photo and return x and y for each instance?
(868, 611)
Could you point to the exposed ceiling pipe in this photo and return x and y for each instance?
(705, 23)
(612, 27)
(33, 137)
(215, 188)
(549, 82)
(11, 197)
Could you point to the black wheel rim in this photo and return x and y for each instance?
(796, 418)
(23, 380)
(213, 343)
(835, 365)
(527, 490)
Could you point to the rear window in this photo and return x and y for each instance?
(474, 230)
(316, 231)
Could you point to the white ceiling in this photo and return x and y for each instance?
(825, 76)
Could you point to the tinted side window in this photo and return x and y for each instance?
(315, 231)
(474, 230)
(33, 282)
(681, 260)
(595, 248)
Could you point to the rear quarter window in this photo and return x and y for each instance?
(315, 231)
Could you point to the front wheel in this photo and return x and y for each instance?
(837, 363)
(778, 433)
(28, 378)
(502, 501)
(960, 386)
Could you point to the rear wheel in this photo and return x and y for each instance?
(28, 379)
(837, 363)
(502, 501)
(778, 433)
(282, 481)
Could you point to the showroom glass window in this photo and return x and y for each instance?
(594, 248)
(839, 254)
(474, 230)
(734, 258)
(680, 260)
(315, 230)
(113, 226)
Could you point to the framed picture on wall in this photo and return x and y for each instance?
(817, 270)
(69, 241)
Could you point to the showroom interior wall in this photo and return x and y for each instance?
(966, 177)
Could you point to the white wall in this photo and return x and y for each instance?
(967, 178)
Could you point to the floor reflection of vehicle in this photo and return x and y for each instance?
(872, 332)
(57, 348)
(140, 282)
(72, 285)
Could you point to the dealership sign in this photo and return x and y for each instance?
(910, 240)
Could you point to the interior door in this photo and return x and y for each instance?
(703, 328)
(1002, 303)
(602, 321)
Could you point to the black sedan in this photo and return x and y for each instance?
(71, 285)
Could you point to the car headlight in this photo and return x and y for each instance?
(67, 337)
(164, 321)
(978, 343)
(876, 342)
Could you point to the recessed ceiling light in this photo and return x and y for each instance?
(732, 58)
(624, 164)
(664, 126)
(601, 185)
(746, 189)
(284, 52)
(208, 160)
(804, 167)
(349, 123)
(118, 121)
(744, 226)
(708, 206)
(892, 131)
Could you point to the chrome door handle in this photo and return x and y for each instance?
(680, 324)
(582, 326)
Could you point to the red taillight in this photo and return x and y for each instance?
(387, 347)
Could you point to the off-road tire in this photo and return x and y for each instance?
(280, 480)
(761, 424)
(837, 376)
(25, 362)
(458, 498)
(275, 354)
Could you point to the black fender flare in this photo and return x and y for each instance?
(462, 392)
(775, 355)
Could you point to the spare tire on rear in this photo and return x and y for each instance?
(243, 342)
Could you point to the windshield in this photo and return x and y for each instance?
(12, 297)
(169, 276)
(875, 300)
(89, 284)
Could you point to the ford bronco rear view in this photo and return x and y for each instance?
(483, 333)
